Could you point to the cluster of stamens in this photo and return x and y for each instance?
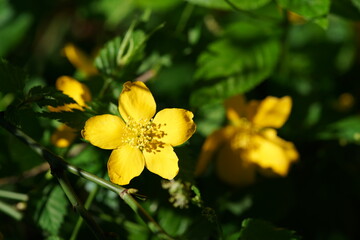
(144, 135)
(242, 139)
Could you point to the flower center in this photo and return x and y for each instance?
(242, 138)
(144, 135)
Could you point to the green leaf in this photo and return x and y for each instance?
(106, 60)
(229, 68)
(12, 78)
(217, 4)
(117, 53)
(249, 4)
(349, 9)
(307, 8)
(51, 210)
(255, 229)
(346, 130)
(75, 119)
(48, 96)
(13, 32)
(136, 231)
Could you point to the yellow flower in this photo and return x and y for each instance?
(79, 59)
(250, 143)
(64, 135)
(139, 139)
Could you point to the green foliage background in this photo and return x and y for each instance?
(194, 54)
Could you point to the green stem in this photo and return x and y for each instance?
(14, 195)
(11, 211)
(66, 186)
(58, 165)
(87, 204)
(185, 16)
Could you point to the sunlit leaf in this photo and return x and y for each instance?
(307, 8)
(227, 69)
(259, 230)
(249, 4)
(217, 4)
(51, 210)
(106, 60)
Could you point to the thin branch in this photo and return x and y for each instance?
(87, 204)
(27, 174)
(11, 211)
(14, 195)
(69, 191)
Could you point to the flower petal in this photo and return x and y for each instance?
(79, 59)
(136, 102)
(235, 108)
(104, 131)
(63, 136)
(272, 112)
(162, 162)
(74, 89)
(177, 124)
(233, 168)
(124, 164)
(272, 153)
(211, 145)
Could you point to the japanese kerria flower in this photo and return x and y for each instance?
(65, 135)
(79, 59)
(250, 143)
(139, 138)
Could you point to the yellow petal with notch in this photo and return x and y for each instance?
(177, 125)
(136, 102)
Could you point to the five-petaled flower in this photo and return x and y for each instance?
(250, 143)
(65, 135)
(139, 139)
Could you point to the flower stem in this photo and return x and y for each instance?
(73, 198)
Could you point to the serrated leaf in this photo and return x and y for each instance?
(12, 79)
(227, 69)
(48, 96)
(75, 119)
(255, 229)
(134, 48)
(106, 60)
(307, 8)
(51, 210)
(346, 130)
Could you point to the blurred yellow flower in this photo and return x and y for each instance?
(250, 143)
(64, 135)
(79, 59)
(139, 139)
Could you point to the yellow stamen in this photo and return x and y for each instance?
(144, 135)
